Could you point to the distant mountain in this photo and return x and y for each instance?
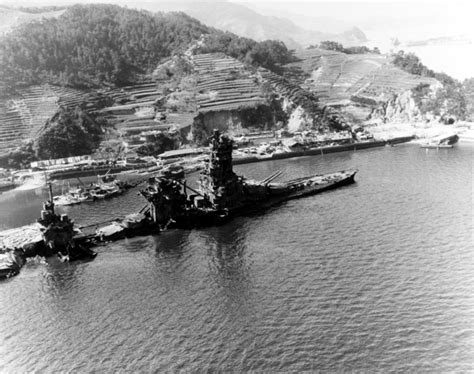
(11, 18)
(442, 40)
(226, 16)
(248, 23)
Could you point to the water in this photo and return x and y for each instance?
(377, 276)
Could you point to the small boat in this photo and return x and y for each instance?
(446, 141)
(98, 194)
(84, 196)
(81, 194)
(65, 200)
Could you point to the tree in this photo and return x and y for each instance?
(468, 91)
(331, 46)
(71, 132)
(410, 63)
(93, 45)
(159, 143)
(270, 54)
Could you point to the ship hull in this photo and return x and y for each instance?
(277, 194)
(307, 186)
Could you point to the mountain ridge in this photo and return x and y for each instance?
(246, 22)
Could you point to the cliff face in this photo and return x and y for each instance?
(401, 108)
(425, 105)
(232, 122)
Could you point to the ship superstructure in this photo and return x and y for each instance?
(222, 194)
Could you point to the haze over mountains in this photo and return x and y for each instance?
(243, 21)
(10, 18)
(393, 26)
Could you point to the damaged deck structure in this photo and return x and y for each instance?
(220, 196)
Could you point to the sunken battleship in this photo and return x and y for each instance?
(222, 194)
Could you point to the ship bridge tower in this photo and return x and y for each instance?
(218, 182)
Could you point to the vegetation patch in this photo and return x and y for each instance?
(71, 132)
(159, 143)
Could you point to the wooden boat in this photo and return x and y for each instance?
(65, 200)
(105, 192)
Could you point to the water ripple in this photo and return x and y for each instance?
(377, 276)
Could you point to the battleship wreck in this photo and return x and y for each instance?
(222, 194)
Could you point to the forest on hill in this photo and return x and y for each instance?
(97, 45)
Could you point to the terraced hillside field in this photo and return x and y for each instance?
(139, 110)
(223, 83)
(218, 84)
(23, 116)
(340, 79)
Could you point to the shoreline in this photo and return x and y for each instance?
(386, 134)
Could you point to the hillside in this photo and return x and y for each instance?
(366, 87)
(24, 114)
(107, 45)
(97, 47)
(216, 91)
(137, 77)
(93, 45)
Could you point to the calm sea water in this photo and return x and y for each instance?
(376, 276)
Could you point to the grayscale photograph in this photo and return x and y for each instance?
(236, 186)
